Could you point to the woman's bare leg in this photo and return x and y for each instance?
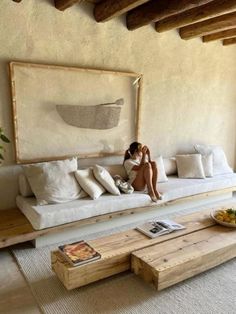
(154, 178)
(145, 177)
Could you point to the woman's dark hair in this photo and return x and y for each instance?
(133, 147)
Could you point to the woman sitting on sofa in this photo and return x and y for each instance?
(141, 170)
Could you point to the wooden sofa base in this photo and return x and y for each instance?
(15, 228)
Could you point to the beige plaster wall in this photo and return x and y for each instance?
(189, 90)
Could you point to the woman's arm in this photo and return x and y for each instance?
(149, 155)
(143, 160)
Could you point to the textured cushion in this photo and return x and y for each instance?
(161, 170)
(24, 186)
(104, 177)
(175, 188)
(220, 164)
(190, 166)
(88, 183)
(207, 163)
(54, 182)
(170, 166)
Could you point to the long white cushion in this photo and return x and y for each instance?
(177, 187)
(53, 215)
(54, 182)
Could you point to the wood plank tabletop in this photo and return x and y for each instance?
(116, 251)
(168, 263)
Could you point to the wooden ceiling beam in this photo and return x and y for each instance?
(220, 35)
(108, 9)
(220, 23)
(93, 1)
(229, 41)
(154, 10)
(65, 4)
(209, 10)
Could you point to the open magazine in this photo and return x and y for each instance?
(155, 228)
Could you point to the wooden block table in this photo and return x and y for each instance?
(165, 264)
(116, 252)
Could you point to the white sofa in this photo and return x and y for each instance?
(51, 215)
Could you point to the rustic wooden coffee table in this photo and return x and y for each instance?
(162, 261)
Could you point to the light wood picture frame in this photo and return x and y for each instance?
(61, 111)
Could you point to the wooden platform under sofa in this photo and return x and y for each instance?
(15, 227)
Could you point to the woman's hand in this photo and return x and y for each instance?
(144, 150)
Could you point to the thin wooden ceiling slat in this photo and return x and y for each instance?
(220, 23)
(109, 9)
(209, 10)
(153, 11)
(65, 4)
(230, 41)
(220, 35)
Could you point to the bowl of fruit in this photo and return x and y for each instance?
(225, 217)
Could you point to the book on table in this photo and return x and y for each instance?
(79, 253)
(156, 228)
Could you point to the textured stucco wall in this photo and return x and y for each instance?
(189, 90)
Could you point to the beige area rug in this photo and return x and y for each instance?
(211, 292)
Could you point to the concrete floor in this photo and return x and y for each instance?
(15, 295)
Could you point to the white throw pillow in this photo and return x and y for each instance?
(220, 164)
(88, 183)
(207, 163)
(190, 166)
(24, 186)
(54, 182)
(161, 170)
(106, 180)
(170, 166)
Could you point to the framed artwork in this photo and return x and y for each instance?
(60, 111)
